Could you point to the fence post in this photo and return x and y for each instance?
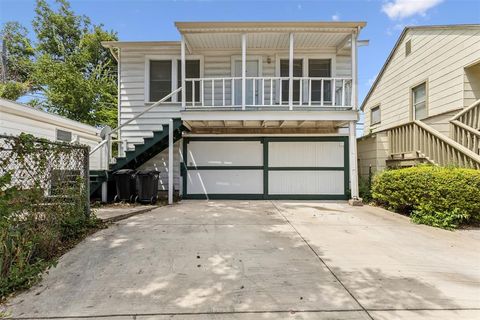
(86, 163)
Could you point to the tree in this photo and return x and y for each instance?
(16, 61)
(77, 75)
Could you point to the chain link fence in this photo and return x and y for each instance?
(58, 170)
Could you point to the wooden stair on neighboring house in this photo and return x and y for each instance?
(408, 159)
(141, 153)
(415, 142)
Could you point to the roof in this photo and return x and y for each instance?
(40, 115)
(118, 44)
(397, 44)
(262, 26)
(251, 26)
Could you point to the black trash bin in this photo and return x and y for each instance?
(147, 186)
(125, 184)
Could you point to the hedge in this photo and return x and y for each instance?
(436, 196)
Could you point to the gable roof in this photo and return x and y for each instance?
(396, 46)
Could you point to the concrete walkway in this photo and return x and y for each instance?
(117, 213)
(263, 260)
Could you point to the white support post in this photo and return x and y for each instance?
(352, 146)
(244, 69)
(354, 97)
(290, 73)
(170, 161)
(184, 91)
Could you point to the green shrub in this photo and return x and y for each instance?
(436, 196)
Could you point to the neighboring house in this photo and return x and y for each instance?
(424, 105)
(16, 118)
(256, 110)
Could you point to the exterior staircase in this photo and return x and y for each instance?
(140, 154)
(415, 142)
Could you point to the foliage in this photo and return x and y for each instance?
(71, 70)
(436, 196)
(42, 206)
(18, 64)
(364, 189)
(13, 90)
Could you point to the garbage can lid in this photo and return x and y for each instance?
(147, 172)
(124, 171)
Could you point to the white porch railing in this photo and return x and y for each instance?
(465, 127)
(268, 92)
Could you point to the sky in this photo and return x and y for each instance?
(135, 20)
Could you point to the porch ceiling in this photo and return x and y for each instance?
(202, 41)
(266, 35)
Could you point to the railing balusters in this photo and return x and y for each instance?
(321, 92)
(343, 92)
(223, 92)
(271, 91)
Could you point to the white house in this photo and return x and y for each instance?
(16, 118)
(424, 105)
(242, 110)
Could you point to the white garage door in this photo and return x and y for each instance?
(266, 168)
(217, 168)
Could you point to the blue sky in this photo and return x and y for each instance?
(153, 19)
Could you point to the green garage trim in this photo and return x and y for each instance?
(265, 141)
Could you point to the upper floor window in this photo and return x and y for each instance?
(192, 71)
(408, 47)
(375, 115)
(62, 135)
(419, 102)
(166, 76)
(285, 72)
(160, 79)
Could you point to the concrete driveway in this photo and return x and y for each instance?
(263, 260)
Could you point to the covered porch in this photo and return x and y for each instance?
(279, 66)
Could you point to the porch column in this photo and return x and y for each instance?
(170, 160)
(244, 69)
(352, 146)
(182, 53)
(354, 97)
(290, 73)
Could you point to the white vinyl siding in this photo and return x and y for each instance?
(438, 56)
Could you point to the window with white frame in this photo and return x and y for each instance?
(166, 76)
(419, 102)
(160, 79)
(375, 115)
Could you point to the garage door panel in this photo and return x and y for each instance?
(306, 154)
(306, 182)
(225, 181)
(225, 153)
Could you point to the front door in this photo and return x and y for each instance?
(253, 70)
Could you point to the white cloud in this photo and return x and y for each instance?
(336, 17)
(399, 9)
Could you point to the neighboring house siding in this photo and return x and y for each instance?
(439, 56)
(43, 125)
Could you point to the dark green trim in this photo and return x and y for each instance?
(225, 168)
(266, 169)
(287, 139)
(224, 138)
(230, 196)
(184, 165)
(308, 197)
(306, 168)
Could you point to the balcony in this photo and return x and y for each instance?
(267, 93)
